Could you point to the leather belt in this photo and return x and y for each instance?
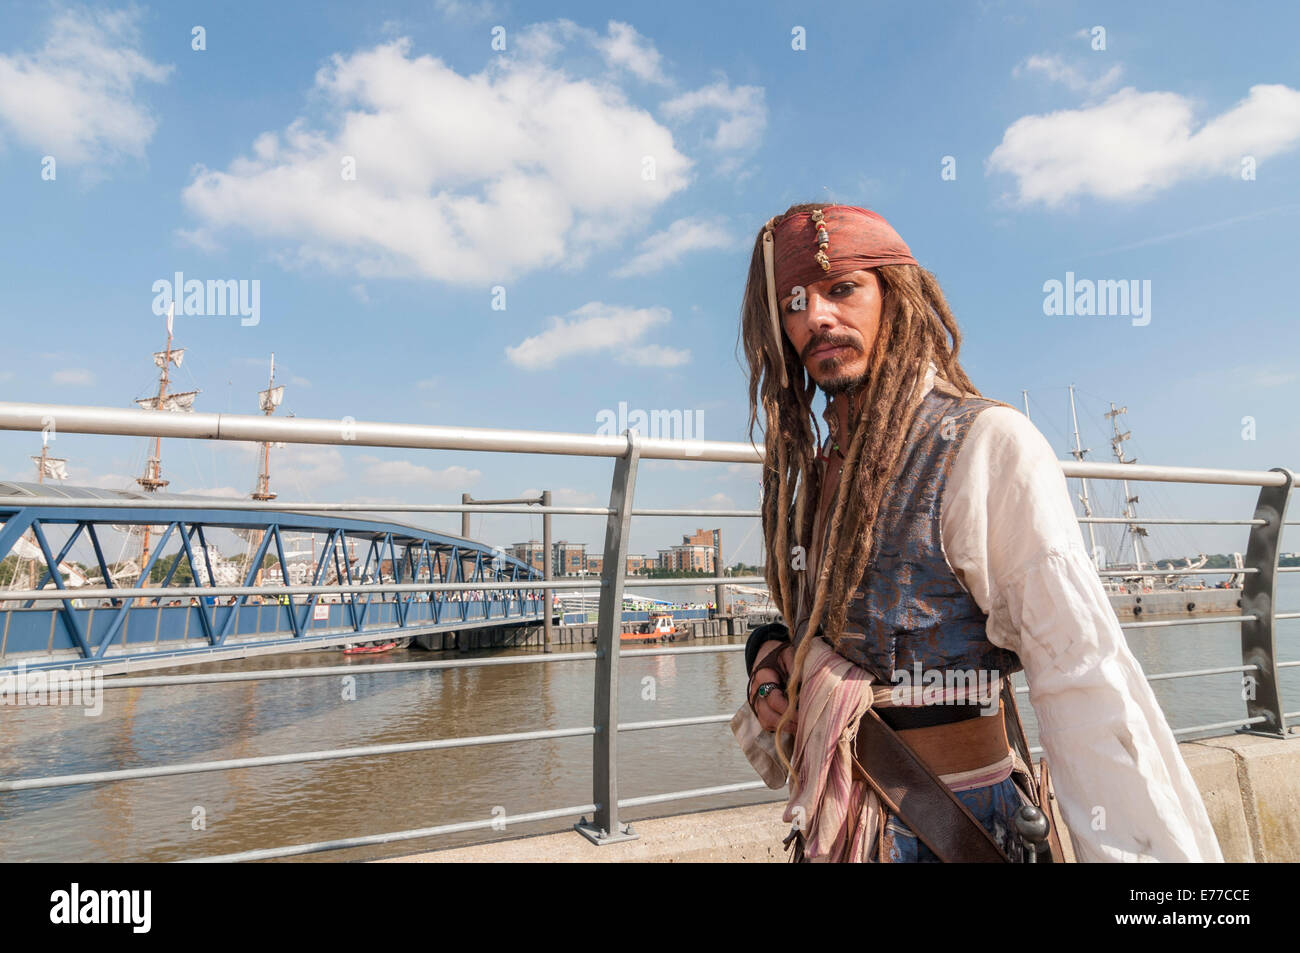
(964, 743)
(906, 717)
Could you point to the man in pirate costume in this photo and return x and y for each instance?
(924, 552)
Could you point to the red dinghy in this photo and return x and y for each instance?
(373, 649)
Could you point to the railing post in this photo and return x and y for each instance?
(1258, 598)
(605, 827)
(548, 573)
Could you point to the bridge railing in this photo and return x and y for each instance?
(1264, 709)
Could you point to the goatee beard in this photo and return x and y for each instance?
(843, 385)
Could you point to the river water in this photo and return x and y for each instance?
(216, 813)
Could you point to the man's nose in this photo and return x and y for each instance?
(821, 310)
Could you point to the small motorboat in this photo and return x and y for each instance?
(660, 628)
(370, 648)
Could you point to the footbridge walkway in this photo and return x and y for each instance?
(378, 573)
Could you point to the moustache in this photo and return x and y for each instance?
(827, 341)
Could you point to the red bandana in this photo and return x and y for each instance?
(848, 239)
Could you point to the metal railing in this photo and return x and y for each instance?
(1264, 714)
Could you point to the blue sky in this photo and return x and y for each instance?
(479, 168)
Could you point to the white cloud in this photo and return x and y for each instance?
(594, 328)
(627, 49)
(74, 376)
(458, 178)
(1059, 71)
(75, 98)
(1135, 144)
(405, 473)
(667, 247)
(299, 381)
(743, 113)
(429, 383)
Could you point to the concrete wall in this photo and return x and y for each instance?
(1250, 785)
(1251, 788)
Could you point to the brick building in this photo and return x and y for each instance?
(568, 559)
(530, 553)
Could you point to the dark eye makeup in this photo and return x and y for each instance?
(839, 289)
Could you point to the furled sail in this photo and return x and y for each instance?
(52, 468)
(179, 402)
(160, 357)
(270, 398)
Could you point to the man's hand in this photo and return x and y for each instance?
(771, 708)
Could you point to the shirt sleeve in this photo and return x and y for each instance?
(1011, 537)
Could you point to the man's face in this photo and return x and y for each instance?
(835, 331)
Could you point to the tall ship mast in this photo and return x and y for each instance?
(1146, 573)
(177, 402)
(55, 468)
(1138, 533)
(269, 399)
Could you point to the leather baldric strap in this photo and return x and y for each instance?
(909, 789)
(1056, 852)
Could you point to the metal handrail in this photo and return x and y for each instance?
(1176, 571)
(1168, 521)
(253, 506)
(338, 754)
(1170, 623)
(495, 824)
(261, 761)
(360, 588)
(257, 428)
(370, 840)
(627, 450)
(214, 678)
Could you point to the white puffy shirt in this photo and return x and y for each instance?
(1011, 537)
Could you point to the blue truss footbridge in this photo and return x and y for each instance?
(364, 579)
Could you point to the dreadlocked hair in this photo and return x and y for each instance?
(916, 328)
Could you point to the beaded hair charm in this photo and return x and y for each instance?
(823, 240)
